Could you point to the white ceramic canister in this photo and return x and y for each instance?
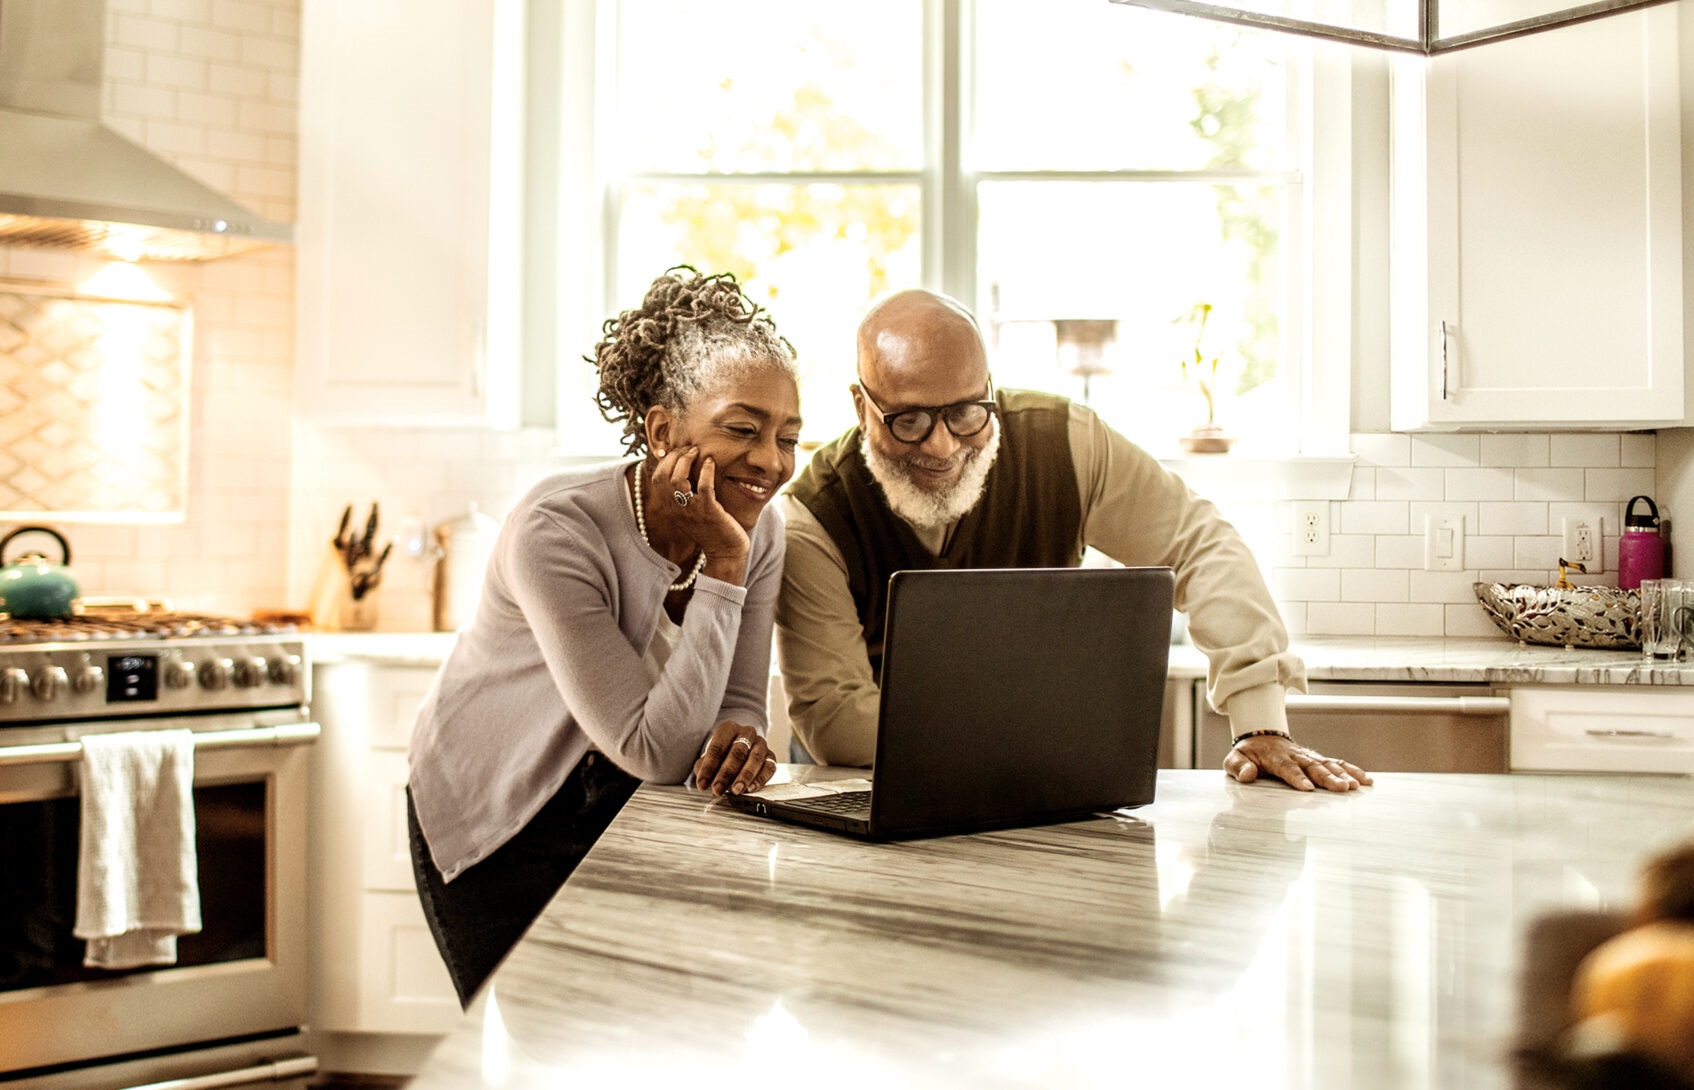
(463, 546)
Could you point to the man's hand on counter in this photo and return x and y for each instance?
(1300, 768)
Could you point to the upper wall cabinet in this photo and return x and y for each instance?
(1536, 254)
(410, 177)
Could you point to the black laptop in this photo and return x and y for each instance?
(1009, 697)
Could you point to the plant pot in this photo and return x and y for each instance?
(1206, 439)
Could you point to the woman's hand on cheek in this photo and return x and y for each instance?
(736, 761)
(702, 519)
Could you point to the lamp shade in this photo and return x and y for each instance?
(1408, 26)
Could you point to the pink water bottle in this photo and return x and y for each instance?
(1641, 549)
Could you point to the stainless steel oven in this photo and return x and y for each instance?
(231, 1010)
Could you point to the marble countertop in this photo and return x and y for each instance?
(389, 648)
(1470, 659)
(1328, 658)
(1227, 932)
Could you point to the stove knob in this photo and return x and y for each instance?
(12, 682)
(215, 673)
(285, 670)
(50, 682)
(88, 679)
(250, 673)
(179, 673)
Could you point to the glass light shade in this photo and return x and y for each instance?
(1410, 26)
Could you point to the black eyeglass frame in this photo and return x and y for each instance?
(937, 414)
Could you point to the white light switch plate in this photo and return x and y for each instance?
(1444, 543)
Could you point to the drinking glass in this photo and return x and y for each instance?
(1679, 600)
(1660, 598)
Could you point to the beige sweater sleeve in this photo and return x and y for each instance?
(1138, 512)
(1134, 511)
(820, 647)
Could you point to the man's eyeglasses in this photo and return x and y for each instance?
(963, 418)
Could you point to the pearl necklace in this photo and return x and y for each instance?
(641, 524)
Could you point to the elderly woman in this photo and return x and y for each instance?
(624, 628)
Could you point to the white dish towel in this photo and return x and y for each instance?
(138, 882)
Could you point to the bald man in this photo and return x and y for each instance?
(944, 471)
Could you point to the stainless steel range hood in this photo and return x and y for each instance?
(69, 181)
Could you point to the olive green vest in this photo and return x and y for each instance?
(1029, 515)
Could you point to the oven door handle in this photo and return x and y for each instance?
(290, 734)
(275, 1071)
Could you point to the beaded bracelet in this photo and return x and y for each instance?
(1256, 733)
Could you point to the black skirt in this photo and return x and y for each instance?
(479, 916)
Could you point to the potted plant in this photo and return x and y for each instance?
(1209, 437)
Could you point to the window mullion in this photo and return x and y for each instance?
(950, 211)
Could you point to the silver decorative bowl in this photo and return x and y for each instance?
(1600, 617)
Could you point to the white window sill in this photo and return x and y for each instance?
(1234, 478)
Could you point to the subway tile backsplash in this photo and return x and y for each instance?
(1371, 583)
(212, 85)
(1513, 492)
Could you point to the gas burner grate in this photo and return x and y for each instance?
(132, 625)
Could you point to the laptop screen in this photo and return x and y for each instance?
(1039, 690)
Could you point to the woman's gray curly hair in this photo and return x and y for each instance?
(691, 333)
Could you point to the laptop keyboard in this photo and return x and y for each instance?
(844, 802)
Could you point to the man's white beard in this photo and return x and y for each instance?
(927, 510)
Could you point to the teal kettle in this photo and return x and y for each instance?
(33, 587)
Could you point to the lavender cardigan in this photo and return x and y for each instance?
(552, 664)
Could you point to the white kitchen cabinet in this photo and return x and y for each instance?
(380, 993)
(1603, 728)
(411, 115)
(1536, 249)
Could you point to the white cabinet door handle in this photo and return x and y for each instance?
(1630, 734)
(1444, 360)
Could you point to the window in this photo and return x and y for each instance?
(1089, 178)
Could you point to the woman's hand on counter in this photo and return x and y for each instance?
(736, 760)
(1295, 765)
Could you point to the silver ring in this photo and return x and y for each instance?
(742, 741)
(770, 760)
(682, 498)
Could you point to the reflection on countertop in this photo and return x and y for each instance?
(1226, 932)
(1328, 658)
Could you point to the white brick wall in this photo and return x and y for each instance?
(426, 476)
(1513, 492)
(214, 86)
(1372, 583)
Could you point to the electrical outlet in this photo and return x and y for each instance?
(1311, 528)
(1582, 542)
(1443, 543)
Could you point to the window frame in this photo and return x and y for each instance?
(590, 189)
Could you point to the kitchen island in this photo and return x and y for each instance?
(1227, 933)
(1496, 661)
